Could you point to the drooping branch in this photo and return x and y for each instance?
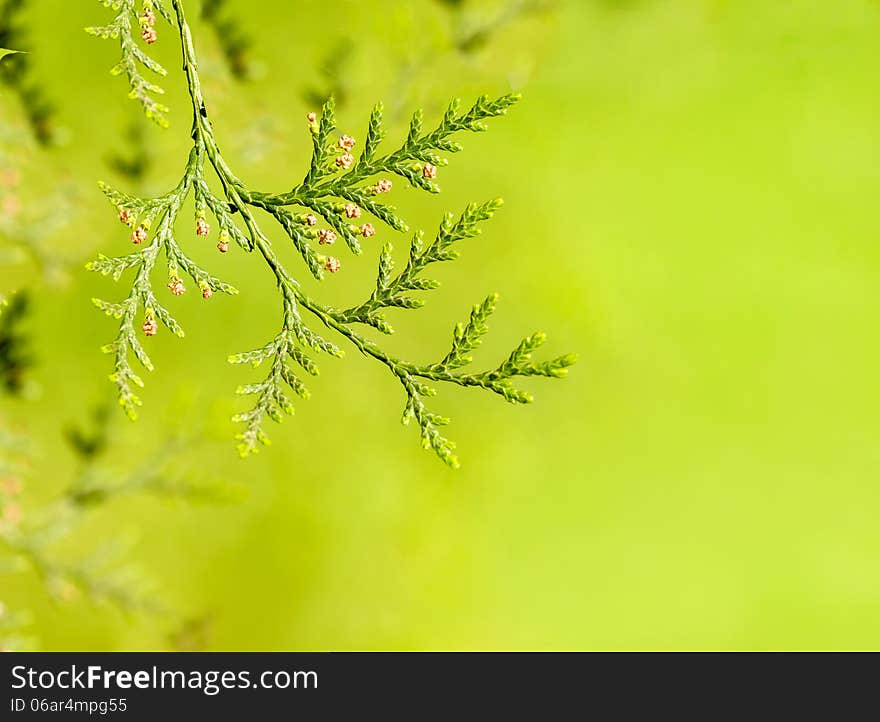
(341, 196)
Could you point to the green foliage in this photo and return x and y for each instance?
(337, 189)
(27, 230)
(33, 537)
(134, 161)
(30, 537)
(16, 358)
(130, 28)
(143, 215)
(470, 34)
(333, 70)
(234, 43)
(16, 72)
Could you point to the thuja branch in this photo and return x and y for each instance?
(126, 26)
(341, 196)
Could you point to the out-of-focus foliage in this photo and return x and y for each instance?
(27, 230)
(132, 160)
(469, 31)
(17, 74)
(15, 356)
(35, 539)
(234, 42)
(331, 76)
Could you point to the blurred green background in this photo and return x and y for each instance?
(691, 208)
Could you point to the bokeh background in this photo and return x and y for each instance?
(691, 207)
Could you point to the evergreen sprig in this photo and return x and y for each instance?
(128, 24)
(337, 189)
